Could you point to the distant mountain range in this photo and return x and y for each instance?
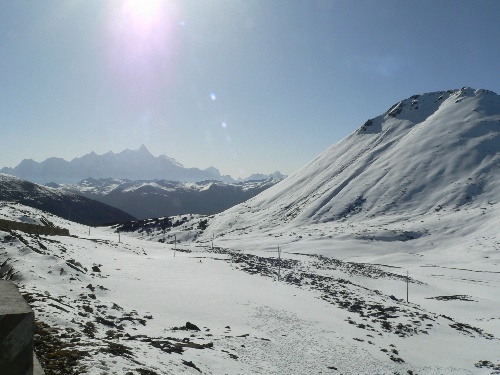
(137, 164)
(64, 204)
(156, 198)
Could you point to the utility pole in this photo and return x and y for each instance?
(212, 241)
(175, 244)
(119, 239)
(89, 230)
(279, 263)
(407, 281)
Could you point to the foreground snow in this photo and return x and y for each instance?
(323, 316)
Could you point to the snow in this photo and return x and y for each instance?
(416, 191)
(306, 333)
(106, 186)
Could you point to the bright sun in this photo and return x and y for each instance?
(142, 37)
(144, 10)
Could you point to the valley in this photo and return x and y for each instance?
(255, 313)
(381, 256)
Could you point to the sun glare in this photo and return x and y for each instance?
(141, 39)
(144, 10)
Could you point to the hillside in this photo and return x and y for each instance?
(432, 154)
(68, 205)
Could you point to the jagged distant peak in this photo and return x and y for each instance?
(143, 149)
(130, 164)
(277, 175)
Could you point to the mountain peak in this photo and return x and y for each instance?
(143, 150)
(430, 152)
(138, 164)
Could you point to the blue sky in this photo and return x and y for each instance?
(244, 86)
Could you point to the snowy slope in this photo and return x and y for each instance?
(429, 153)
(107, 306)
(416, 190)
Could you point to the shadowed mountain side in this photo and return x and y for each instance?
(149, 199)
(67, 205)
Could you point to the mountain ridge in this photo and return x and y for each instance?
(64, 204)
(129, 164)
(428, 152)
(156, 198)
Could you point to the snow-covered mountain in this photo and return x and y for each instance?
(381, 256)
(137, 164)
(147, 199)
(259, 176)
(132, 164)
(430, 154)
(65, 204)
(413, 191)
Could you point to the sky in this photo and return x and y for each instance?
(243, 86)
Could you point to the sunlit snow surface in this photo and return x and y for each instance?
(416, 192)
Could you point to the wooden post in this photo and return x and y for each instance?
(407, 281)
(279, 263)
